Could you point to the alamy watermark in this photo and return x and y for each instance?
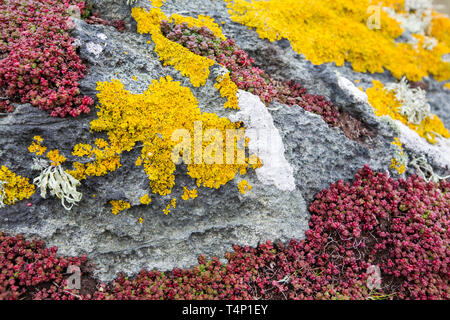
(374, 20)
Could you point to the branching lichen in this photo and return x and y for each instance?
(60, 184)
(414, 106)
(425, 170)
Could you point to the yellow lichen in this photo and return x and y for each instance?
(243, 186)
(386, 104)
(440, 27)
(104, 160)
(336, 31)
(13, 187)
(152, 118)
(228, 89)
(446, 86)
(36, 146)
(119, 205)
(399, 161)
(55, 158)
(157, 3)
(193, 66)
(189, 194)
(166, 210)
(145, 199)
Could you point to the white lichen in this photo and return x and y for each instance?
(414, 105)
(416, 19)
(425, 171)
(58, 182)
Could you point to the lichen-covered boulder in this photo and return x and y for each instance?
(301, 153)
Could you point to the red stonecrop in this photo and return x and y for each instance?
(27, 267)
(401, 226)
(38, 62)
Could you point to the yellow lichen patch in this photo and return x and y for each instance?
(13, 187)
(152, 118)
(399, 161)
(36, 146)
(440, 27)
(386, 104)
(166, 210)
(173, 204)
(119, 205)
(336, 31)
(223, 157)
(228, 89)
(193, 66)
(157, 3)
(55, 158)
(145, 199)
(243, 186)
(104, 160)
(446, 86)
(189, 194)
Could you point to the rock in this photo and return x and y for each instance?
(309, 154)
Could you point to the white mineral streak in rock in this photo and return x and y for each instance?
(349, 87)
(94, 48)
(265, 142)
(439, 152)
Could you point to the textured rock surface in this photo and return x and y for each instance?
(217, 219)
